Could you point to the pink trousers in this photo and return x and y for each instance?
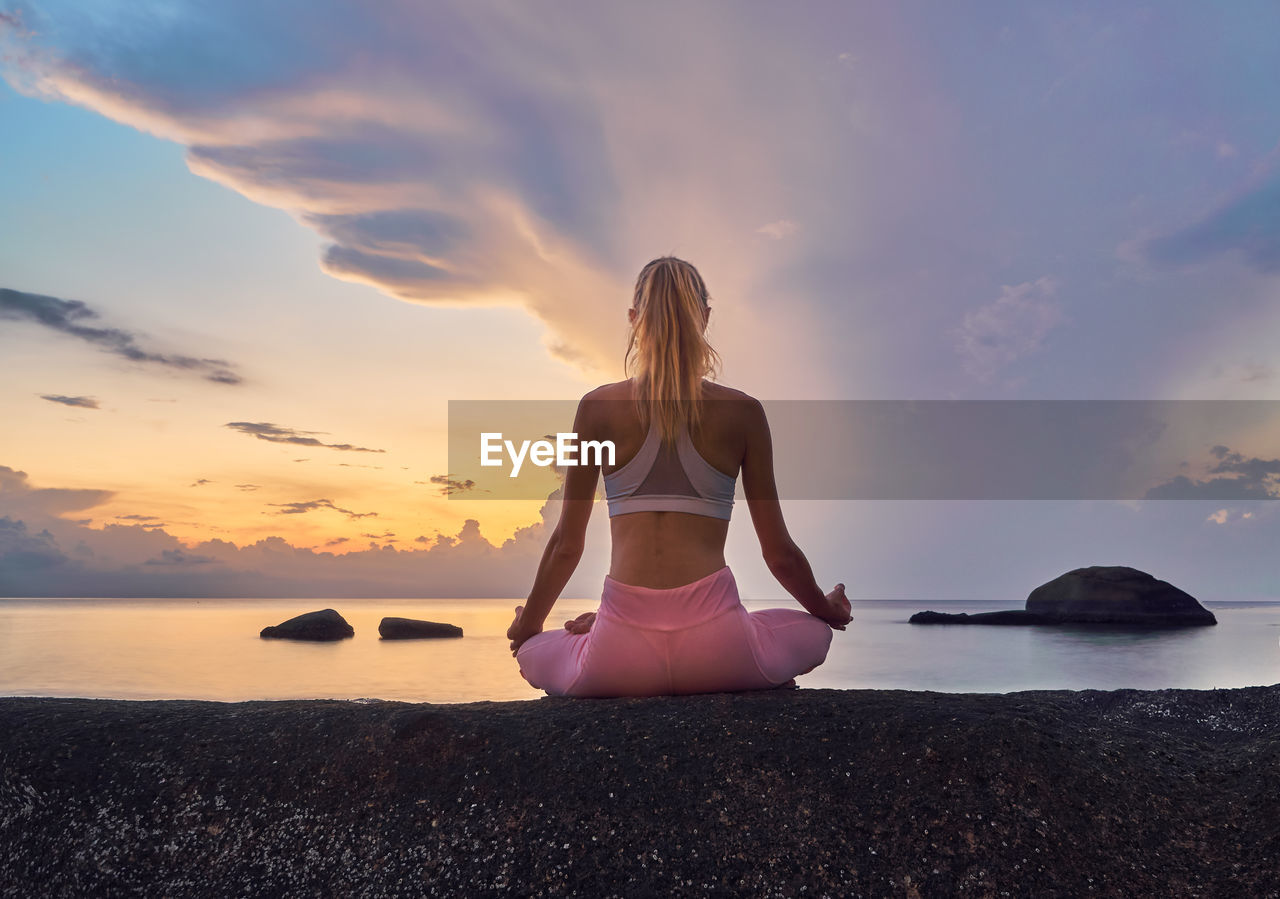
(697, 638)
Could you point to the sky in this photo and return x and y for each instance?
(249, 253)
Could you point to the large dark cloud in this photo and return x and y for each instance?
(74, 318)
(265, 430)
(80, 402)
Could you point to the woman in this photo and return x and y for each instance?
(670, 620)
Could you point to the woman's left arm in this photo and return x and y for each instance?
(564, 548)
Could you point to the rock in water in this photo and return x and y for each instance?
(1116, 594)
(414, 629)
(323, 625)
(1003, 616)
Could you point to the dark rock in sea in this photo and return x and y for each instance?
(1101, 594)
(1046, 793)
(415, 629)
(323, 625)
(1003, 616)
(1116, 595)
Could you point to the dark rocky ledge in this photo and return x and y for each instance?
(859, 792)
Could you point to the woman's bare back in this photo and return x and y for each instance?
(670, 549)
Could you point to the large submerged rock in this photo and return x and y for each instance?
(323, 625)
(1116, 594)
(416, 629)
(1099, 594)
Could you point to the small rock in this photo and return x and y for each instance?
(1002, 616)
(415, 629)
(323, 625)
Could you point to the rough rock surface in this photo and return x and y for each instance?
(777, 793)
(1101, 594)
(323, 625)
(414, 629)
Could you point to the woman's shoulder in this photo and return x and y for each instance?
(731, 401)
(714, 390)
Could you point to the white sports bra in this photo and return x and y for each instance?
(663, 478)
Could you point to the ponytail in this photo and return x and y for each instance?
(668, 347)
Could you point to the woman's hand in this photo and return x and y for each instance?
(520, 630)
(581, 624)
(838, 612)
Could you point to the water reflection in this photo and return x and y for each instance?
(210, 649)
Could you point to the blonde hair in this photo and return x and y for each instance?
(669, 345)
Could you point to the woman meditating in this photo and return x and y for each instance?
(670, 620)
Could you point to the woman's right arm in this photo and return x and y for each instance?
(785, 560)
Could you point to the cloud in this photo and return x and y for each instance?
(43, 555)
(179, 557)
(81, 402)
(248, 488)
(450, 486)
(1248, 224)
(20, 499)
(468, 154)
(201, 482)
(1252, 481)
(779, 229)
(312, 505)
(1011, 327)
(1245, 373)
(27, 552)
(70, 317)
(264, 430)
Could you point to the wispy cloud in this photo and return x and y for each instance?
(449, 485)
(80, 402)
(1011, 327)
(779, 229)
(200, 482)
(265, 430)
(71, 317)
(1248, 224)
(314, 504)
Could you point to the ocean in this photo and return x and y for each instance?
(210, 649)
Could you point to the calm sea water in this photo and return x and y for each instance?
(210, 649)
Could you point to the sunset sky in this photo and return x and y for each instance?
(249, 252)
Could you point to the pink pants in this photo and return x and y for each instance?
(697, 638)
